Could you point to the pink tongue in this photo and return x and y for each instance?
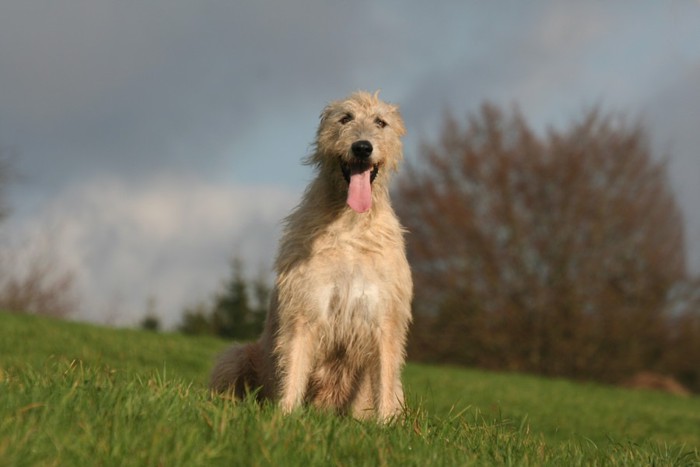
(360, 191)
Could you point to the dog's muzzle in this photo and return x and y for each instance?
(362, 151)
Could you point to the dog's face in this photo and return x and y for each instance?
(359, 143)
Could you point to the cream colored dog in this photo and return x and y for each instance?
(336, 327)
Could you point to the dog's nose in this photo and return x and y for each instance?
(361, 149)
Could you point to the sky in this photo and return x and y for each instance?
(154, 141)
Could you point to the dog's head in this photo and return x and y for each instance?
(359, 143)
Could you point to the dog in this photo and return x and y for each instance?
(336, 328)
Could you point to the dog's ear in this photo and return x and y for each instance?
(327, 111)
(396, 120)
(314, 158)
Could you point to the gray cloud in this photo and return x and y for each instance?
(132, 89)
(130, 242)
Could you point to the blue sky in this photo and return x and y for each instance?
(157, 139)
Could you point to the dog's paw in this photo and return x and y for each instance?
(288, 405)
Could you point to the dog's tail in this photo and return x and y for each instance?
(237, 370)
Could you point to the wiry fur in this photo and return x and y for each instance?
(336, 327)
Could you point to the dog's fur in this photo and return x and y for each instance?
(336, 328)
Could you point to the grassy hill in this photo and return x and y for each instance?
(76, 394)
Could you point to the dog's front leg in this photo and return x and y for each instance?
(295, 366)
(391, 358)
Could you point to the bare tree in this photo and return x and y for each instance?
(551, 253)
(31, 279)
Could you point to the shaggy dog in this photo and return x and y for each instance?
(335, 331)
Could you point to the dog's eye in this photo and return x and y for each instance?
(380, 123)
(347, 118)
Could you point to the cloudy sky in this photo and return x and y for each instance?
(156, 140)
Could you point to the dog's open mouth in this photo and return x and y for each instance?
(359, 176)
(359, 167)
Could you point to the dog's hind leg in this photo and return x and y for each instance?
(363, 403)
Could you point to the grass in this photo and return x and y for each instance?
(75, 394)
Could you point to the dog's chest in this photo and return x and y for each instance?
(349, 294)
(350, 289)
(350, 279)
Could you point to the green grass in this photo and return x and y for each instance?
(75, 394)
